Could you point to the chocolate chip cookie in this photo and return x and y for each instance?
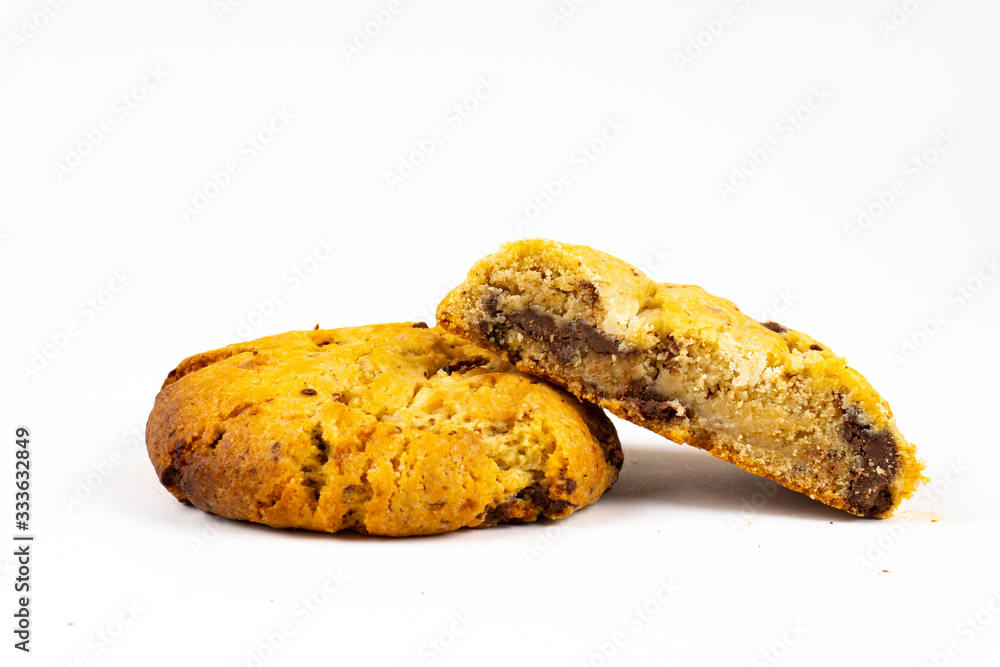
(689, 366)
(394, 429)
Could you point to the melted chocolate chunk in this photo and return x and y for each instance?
(173, 475)
(535, 493)
(308, 392)
(652, 407)
(564, 340)
(420, 325)
(490, 305)
(536, 497)
(870, 492)
(499, 513)
(774, 326)
(462, 365)
(170, 475)
(486, 329)
(539, 496)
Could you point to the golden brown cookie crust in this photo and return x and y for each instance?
(393, 429)
(690, 366)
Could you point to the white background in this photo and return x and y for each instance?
(834, 100)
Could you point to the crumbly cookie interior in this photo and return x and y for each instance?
(693, 368)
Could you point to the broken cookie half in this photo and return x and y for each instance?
(689, 366)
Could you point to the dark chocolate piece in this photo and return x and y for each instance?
(644, 397)
(774, 326)
(536, 497)
(563, 340)
(539, 496)
(462, 365)
(870, 492)
(499, 513)
(171, 474)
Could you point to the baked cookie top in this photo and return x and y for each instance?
(394, 429)
(690, 366)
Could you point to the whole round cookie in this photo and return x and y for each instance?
(392, 429)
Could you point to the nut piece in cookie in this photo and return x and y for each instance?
(690, 366)
(394, 429)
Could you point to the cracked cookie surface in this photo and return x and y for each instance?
(691, 367)
(394, 429)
